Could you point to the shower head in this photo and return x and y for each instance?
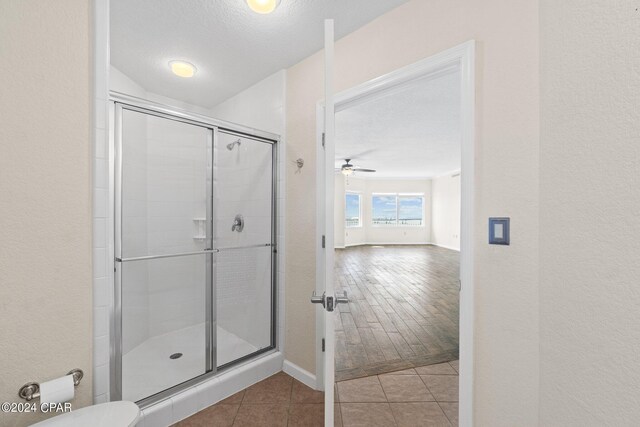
(233, 144)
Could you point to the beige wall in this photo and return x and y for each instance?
(506, 277)
(445, 211)
(590, 213)
(45, 190)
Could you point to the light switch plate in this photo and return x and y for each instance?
(499, 231)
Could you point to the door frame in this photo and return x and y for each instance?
(463, 57)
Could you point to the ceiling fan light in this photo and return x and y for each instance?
(347, 171)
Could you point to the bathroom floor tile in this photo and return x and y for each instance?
(275, 389)
(455, 364)
(367, 389)
(218, 415)
(405, 388)
(235, 399)
(419, 414)
(306, 414)
(262, 415)
(443, 387)
(450, 409)
(300, 393)
(367, 415)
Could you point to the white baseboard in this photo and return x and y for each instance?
(445, 247)
(302, 375)
(387, 243)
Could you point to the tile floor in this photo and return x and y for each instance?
(422, 396)
(279, 400)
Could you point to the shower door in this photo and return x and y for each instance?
(194, 249)
(244, 239)
(163, 251)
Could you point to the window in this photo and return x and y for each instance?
(410, 210)
(398, 209)
(352, 211)
(384, 209)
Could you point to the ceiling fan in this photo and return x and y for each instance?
(347, 169)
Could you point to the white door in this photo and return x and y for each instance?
(325, 296)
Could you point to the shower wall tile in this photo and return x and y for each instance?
(99, 262)
(101, 297)
(100, 233)
(101, 379)
(100, 322)
(100, 173)
(101, 398)
(101, 350)
(100, 200)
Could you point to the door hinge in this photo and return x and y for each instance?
(323, 344)
(323, 241)
(323, 137)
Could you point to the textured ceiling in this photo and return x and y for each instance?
(231, 46)
(408, 132)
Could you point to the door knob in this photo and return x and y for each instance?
(342, 299)
(315, 299)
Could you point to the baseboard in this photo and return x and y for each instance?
(302, 375)
(387, 243)
(445, 247)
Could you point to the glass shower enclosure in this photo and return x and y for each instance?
(194, 248)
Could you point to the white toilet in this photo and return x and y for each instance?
(110, 414)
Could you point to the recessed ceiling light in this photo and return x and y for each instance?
(182, 68)
(263, 6)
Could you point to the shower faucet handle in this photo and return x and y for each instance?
(238, 223)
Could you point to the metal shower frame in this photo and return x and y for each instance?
(119, 102)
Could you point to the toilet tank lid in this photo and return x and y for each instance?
(110, 414)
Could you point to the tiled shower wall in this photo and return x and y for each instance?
(102, 245)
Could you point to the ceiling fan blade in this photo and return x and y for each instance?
(357, 155)
(363, 170)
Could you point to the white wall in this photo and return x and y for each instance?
(590, 213)
(45, 198)
(260, 106)
(445, 211)
(507, 140)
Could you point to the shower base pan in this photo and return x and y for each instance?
(164, 361)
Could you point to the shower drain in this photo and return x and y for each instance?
(175, 356)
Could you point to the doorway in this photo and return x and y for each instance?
(460, 59)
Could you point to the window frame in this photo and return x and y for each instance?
(360, 218)
(397, 197)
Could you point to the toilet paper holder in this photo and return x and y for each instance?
(31, 391)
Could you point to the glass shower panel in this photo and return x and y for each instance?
(164, 274)
(243, 188)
